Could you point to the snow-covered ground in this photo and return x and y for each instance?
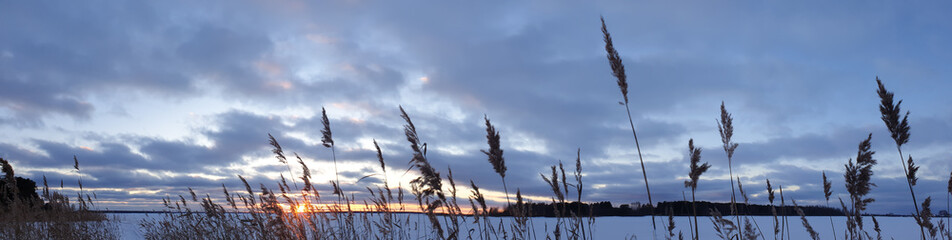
(640, 227)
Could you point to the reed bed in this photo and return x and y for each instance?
(51, 215)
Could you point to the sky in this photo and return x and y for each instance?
(156, 97)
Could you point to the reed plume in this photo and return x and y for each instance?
(495, 155)
(388, 218)
(857, 177)
(695, 175)
(618, 70)
(827, 192)
(747, 225)
(726, 128)
(558, 203)
(479, 210)
(327, 140)
(911, 175)
(279, 154)
(79, 175)
(783, 212)
(383, 167)
(429, 184)
(899, 131)
(578, 188)
(924, 219)
(806, 224)
(671, 225)
(773, 210)
(879, 232)
(723, 227)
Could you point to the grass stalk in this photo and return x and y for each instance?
(857, 177)
(694, 176)
(618, 70)
(726, 128)
(827, 192)
(784, 227)
(773, 210)
(899, 131)
(806, 224)
(495, 155)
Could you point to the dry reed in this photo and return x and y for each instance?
(806, 224)
(725, 127)
(857, 177)
(773, 210)
(618, 70)
(827, 192)
(694, 176)
(899, 131)
(51, 217)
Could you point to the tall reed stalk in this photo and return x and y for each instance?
(578, 188)
(618, 70)
(726, 128)
(495, 155)
(327, 141)
(827, 192)
(279, 154)
(388, 217)
(806, 224)
(899, 131)
(429, 185)
(749, 234)
(694, 176)
(773, 209)
(857, 177)
(79, 174)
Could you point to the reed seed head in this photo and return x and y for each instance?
(911, 174)
(553, 182)
(429, 182)
(858, 177)
(726, 128)
(618, 69)
(495, 152)
(740, 187)
(899, 129)
(380, 156)
(806, 224)
(924, 218)
(326, 138)
(696, 170)
(278, 152)
(827, 185)
(950, 183)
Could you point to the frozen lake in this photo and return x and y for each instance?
(640, 227)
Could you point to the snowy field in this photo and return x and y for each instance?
(640, 227)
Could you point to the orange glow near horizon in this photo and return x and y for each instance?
(333, 207)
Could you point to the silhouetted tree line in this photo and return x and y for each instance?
(25, 192)
(679, 208)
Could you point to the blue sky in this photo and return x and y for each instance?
(156, 97)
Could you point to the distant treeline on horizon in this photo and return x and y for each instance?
(676, 208)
